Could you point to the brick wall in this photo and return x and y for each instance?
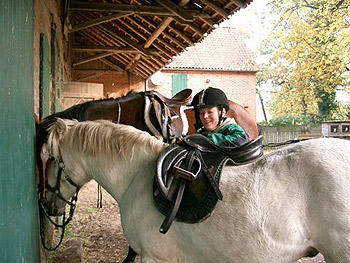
(116, 85)
(239, 87)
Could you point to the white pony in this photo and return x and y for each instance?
(277, 209)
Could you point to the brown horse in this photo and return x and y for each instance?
(238, 112)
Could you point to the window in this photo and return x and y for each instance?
(179, 82)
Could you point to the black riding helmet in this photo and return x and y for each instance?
(207, 98)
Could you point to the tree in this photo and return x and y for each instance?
(310, 57)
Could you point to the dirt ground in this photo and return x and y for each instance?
(100, 230)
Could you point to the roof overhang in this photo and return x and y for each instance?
(137, 36)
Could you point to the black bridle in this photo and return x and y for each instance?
(72, 203)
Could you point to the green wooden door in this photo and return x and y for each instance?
(179, 82)
(19, 238)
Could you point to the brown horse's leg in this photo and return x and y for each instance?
(130, 258)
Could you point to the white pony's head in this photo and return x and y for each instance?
(83, 147)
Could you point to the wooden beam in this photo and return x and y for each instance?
(112, 65)
(239, 3)
(98, 21)
(97, 71)
(122, 38)
(133, 62)
(177, 10)
(194, 27)
(89, 77)
(162, 27)
(125, 8)
(216, 8)
(157, 46)
(91, 58)
(208, 21)
(115, 50)
(158, 31)
(181, 34)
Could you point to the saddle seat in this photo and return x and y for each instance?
(188, 174)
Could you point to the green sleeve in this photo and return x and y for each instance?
(229, 133)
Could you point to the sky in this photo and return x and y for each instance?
(255, 20)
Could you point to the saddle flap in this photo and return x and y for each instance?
(170, 170)
(166, 181)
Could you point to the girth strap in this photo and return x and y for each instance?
(210, 173)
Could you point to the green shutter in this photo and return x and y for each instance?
(179, 82)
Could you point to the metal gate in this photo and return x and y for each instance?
(19, 240)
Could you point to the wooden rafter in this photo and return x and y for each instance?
(138, 36)
(115, 50)
(125, 8)
(216, 8)
(121, 37)
(98, 71)
(177, 10)
(98, 21)
(133, 63)
(162, 26)
(92, 58)
(157, 46)
(238, 3)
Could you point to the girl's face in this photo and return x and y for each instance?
(210, 117)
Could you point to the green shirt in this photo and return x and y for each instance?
(227, 133)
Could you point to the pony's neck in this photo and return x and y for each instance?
(117, 175)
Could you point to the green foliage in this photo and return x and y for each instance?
(310, 58)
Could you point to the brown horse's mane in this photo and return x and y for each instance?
(78, 112)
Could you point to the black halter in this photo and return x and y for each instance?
(72, 203)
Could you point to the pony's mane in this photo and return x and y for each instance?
(100, 137)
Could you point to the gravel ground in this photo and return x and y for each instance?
(100, 230)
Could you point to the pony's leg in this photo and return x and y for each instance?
(130, 258)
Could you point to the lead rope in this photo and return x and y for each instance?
(99, 196)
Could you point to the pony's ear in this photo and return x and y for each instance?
(62, 126)
(56, 132)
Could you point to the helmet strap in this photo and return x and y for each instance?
(221, 114)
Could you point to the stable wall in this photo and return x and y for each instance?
(51, 57)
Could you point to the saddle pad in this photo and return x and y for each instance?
(192, 210)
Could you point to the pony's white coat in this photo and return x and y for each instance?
(274, 210)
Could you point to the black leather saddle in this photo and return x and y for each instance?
(186, 185)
